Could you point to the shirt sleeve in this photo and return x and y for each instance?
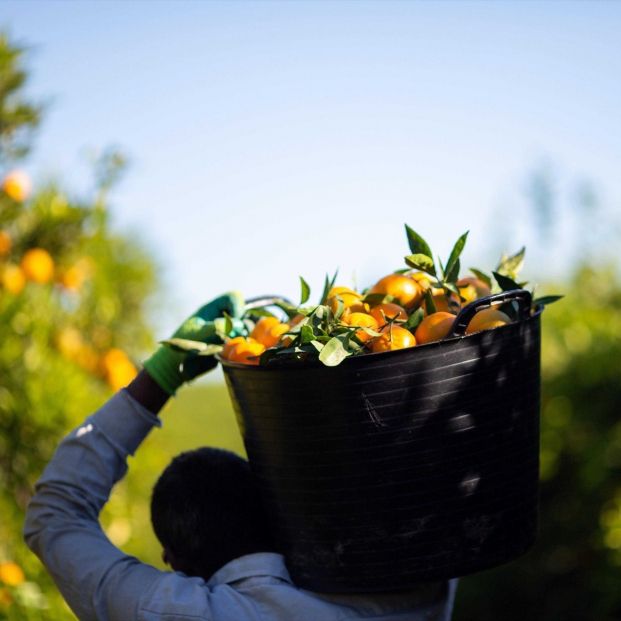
(98, 580)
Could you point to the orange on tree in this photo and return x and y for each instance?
(244, 350)
(38, 265)
(405, 290)
(13, 279)
(434, 327)
(392, 337)
(5, 243)
(386, 311)
(118, 369)
(11, 573)
(268, 331)
(361, 320)
(17, 185)
(74, 276)
(487, 319)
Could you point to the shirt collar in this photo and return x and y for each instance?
(249, 566)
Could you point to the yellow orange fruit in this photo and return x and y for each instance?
(487, 319)
(423, 279)
(404, 289)
(386, 311)
(391, 338)
(17, 185)
(11, 573)
(5, 243)
(268, 331)
(444, 304)
(246, 351)
(434, 327)
(74, 277)
(118, 369)
(471, 288)
(361, 320)
(230, 344)
(13, 279)
(38, 265)
(352, 300)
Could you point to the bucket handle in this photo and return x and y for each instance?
(521, 296)
(265, 300)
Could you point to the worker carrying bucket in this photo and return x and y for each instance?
(376, 473)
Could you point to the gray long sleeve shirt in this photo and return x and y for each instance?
(100, 582)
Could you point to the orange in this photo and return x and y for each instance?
(362, 320)
(5, 243)
(74, 277)
(393, 337)
(487, 319)
(268, 331)
(118, 369)
(406, 290)
(38, 265)
(11, 573)
(230, 345)
(352, 300)
(246, 351)
(390, 311)
(434, 327)
(13, 279)
(17, 185)
(442, 303)
(471, 288)
(423, 279)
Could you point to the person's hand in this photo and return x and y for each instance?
(170, 368)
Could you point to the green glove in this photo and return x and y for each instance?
(170, 368)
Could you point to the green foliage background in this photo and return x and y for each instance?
(571, 574)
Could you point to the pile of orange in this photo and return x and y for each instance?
(382, 325)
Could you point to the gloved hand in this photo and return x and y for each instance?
(171, 368)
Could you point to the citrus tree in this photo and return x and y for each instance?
(72, 302)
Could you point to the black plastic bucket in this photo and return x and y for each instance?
(394, 468)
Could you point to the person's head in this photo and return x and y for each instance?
(206, 510)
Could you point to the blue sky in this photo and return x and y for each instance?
(271, 139)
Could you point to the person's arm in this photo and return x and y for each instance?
(98, 580)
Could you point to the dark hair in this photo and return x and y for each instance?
(206, 510)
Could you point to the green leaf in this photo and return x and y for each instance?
(510, 266)
(414, 319)
(417, 244)
(333, 352)
(328, 284)
(421, 262)
(305, 294)
(210, 350)
(430, 305)
(453, 272)
(505, 283)
(454, 258)
(482, 276)
(547, 299)
(452, 287)
(306, 334)
(317, 345)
